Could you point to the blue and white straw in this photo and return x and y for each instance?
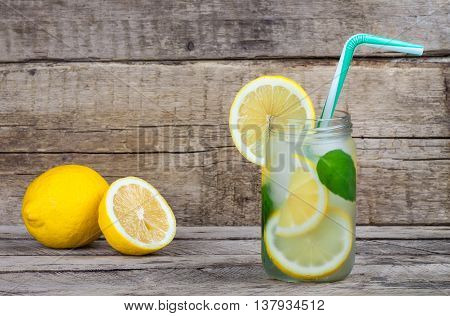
(346, 58)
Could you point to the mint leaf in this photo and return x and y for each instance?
(337, 172)
(267, 203)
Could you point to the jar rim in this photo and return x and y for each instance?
(340, 122)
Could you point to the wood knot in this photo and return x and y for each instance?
(190, 46)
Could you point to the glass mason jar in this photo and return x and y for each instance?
(308, 200)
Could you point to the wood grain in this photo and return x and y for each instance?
(167, 123)
(196, 266)
(400, 181)
(103, 107)
(155, 30)
(19, 232)
(234, 279)
(225, 247)
(143, 88)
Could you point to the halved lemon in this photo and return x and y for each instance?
(306, 202)
(266, 102)
(134, 218)
(314, 255)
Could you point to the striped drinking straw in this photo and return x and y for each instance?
(346, 58)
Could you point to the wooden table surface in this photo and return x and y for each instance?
(390, 260)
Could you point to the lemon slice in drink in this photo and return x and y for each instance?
(316, 254)
(134, 218)
(264, 102)
(306, 203)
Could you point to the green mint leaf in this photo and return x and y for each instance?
(337, 172)
(267, 203)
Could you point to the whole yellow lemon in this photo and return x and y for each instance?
(60, 207)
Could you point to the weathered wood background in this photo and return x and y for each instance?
(144, 87)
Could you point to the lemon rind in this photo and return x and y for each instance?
(269, 80)
(309, 276)
(323, 206)
(109, 204)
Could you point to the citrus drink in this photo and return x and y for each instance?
(308, 202)
(308, 179)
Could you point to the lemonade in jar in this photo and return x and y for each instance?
(308, 179)
(308, 200)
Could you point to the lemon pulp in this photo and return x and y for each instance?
(313, 255)
(135, 218)
(306, 203)
(265, 103)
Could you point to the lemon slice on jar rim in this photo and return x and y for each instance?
(264, 102)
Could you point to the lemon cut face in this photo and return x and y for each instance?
(306, 203)
(264, 103)
(317, 254)
(135, 218)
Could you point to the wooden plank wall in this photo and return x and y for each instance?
(144, 87)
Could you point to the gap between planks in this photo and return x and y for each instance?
(398, 232)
